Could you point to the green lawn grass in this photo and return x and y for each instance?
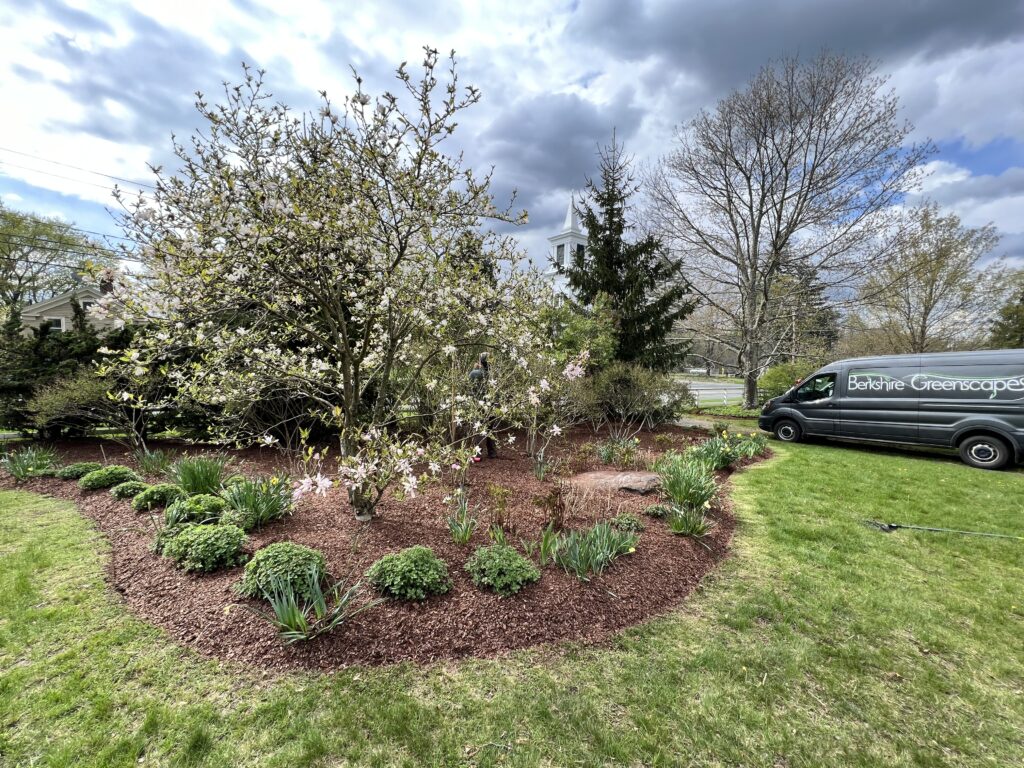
(820, 642)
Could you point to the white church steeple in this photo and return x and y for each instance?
(572, 240)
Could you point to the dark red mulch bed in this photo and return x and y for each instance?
(203, 611)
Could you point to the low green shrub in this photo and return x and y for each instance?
(78, 470)
(202, 508)
(206, 547)
(628, 396)
(107, 477)
(619, 452)
(165, 533)
(199, 474)
(252, 503)
(502, 569)
(587, 553)
(302, 610)
(31, 461)
(412, 574)
(778, 379)
(627, 522)
(128, 489)
(159, 495)
(282, 563)
(659, 510)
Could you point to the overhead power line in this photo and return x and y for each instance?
(76, 167)
(70, 227)
(42, 242)
(66, 249)
(9, 164)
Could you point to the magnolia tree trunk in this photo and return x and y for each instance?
(362, 505)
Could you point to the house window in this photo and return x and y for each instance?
(87, 305)
(579, 251)
(54, 323)
(560, 255)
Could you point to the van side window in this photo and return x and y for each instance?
(819, 388)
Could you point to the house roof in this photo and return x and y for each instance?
(84, 291)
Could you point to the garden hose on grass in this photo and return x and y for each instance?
(890, 527)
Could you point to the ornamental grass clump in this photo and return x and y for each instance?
(32, 461)
(206, 547)
(414, 573)
(128, 489)
(719, 452)
(688, 483)
(461, 524)
(155, 463)
(588, 553)
(199, 474)
(254, 502)
(159, 495)
(284, 563)
(501, 568)
(78, 470)
(107, 477)
(690, 522)
(302, 609)
(751, 446)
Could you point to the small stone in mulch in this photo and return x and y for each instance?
(612, 480)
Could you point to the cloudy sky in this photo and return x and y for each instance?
(101, 86)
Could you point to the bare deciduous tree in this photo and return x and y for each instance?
(40, 258)
(932, 295)
(795, 175)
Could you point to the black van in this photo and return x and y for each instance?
(971, 401)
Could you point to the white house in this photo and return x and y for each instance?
(58, 313)
(564, 246)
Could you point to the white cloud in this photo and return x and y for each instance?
(518, 53)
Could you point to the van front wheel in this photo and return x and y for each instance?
(985, 452)
(787, 430)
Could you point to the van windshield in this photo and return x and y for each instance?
(820, 387)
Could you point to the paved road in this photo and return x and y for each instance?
(715, 392)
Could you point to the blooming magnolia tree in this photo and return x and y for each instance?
(340, 260)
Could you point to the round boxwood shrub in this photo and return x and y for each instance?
(206, 547)
(283, 563)
(202, 508)
(159, 495)
(106, 477)
(78, 470)
(128, 489)
(411, 574)
(502, 569)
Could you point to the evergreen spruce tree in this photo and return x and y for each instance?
(645, 289)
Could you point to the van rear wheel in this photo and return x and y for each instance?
(787, 430)
(985, 452)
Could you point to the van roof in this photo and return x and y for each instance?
(979, 357)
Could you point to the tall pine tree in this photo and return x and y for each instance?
(644, 287)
